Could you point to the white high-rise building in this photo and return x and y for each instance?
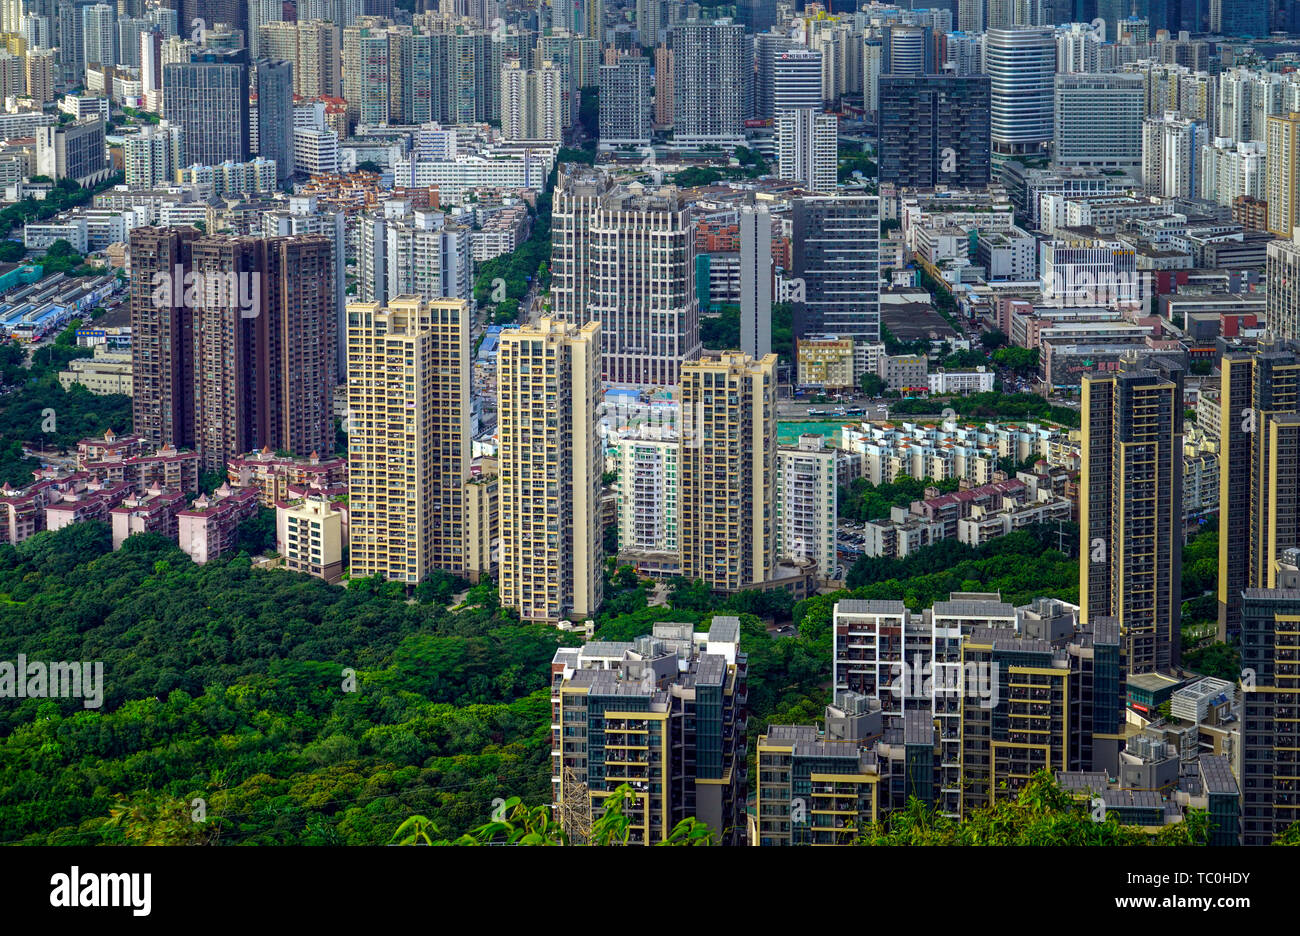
(1170, 147)
(807, 148)
(532, 102)
(797, 80)
(623, 255)
(806, 504)
(1021, 65)
(99, 29)
(1098, 122)
(1231, 170)
(153, 155)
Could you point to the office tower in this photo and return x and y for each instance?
(796, 80)
(1098, 121)
(162, 346)
(275, 114)
(1131, 507)
(728, 471)
(1021, 67)
(1282, 190)
(836, 261)
(934, 130)
(1259, 399)
(73, 151)
(807, 150)
(624, 256)
(625, 117)
(153, 155)
(265, 333)
(679, 697)
(409, 436)
(532, 102)
(1243, 19)
(99, 34)
(767, 48)
(755, 281)
(908, 50)
(713, 70)
(207, 97)
(1170, 147)
(1270, 733)
(806, 504)
(550, 457)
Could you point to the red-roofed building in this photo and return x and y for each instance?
(152, 511)
(272, 475)
(209, 526)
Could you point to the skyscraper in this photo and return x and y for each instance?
(625, 116)
(532, 102)
(550, 457)
(1021, 67)
(755, 281)
(1098, 121)
(807, 148)
(275, 114)
(207, 97)
(713, 81)
(836, 260)
(796, 80)
(1259, 399)
(728, 471)
(408, 438)
(1131, 507)
(624, 256)
(1282, 274)
(162, 347)
(1282, 174)
(933, 130)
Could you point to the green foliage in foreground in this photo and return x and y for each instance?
(1043, 814)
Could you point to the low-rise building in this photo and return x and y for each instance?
(209, 526)
(309, 536)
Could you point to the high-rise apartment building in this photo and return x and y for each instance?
(713, 82)
(624, 256)
(1282, 180)
(265, 332)
(934, 130)
(806, 504)
(532, 102)
(836, 260)
(807, 148)
(408, 437)
(1270, 732)
(99, 34)
(550, 457)
(162, 344)
(663, 715)
(207, 97)
(153, 155)
(1282, 269)
(1098, 122)
(728, 471)
(1021, 67)
(625, 117)
(1259, 424)
(1170, 147)
(238, 342)
(1131, 507)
